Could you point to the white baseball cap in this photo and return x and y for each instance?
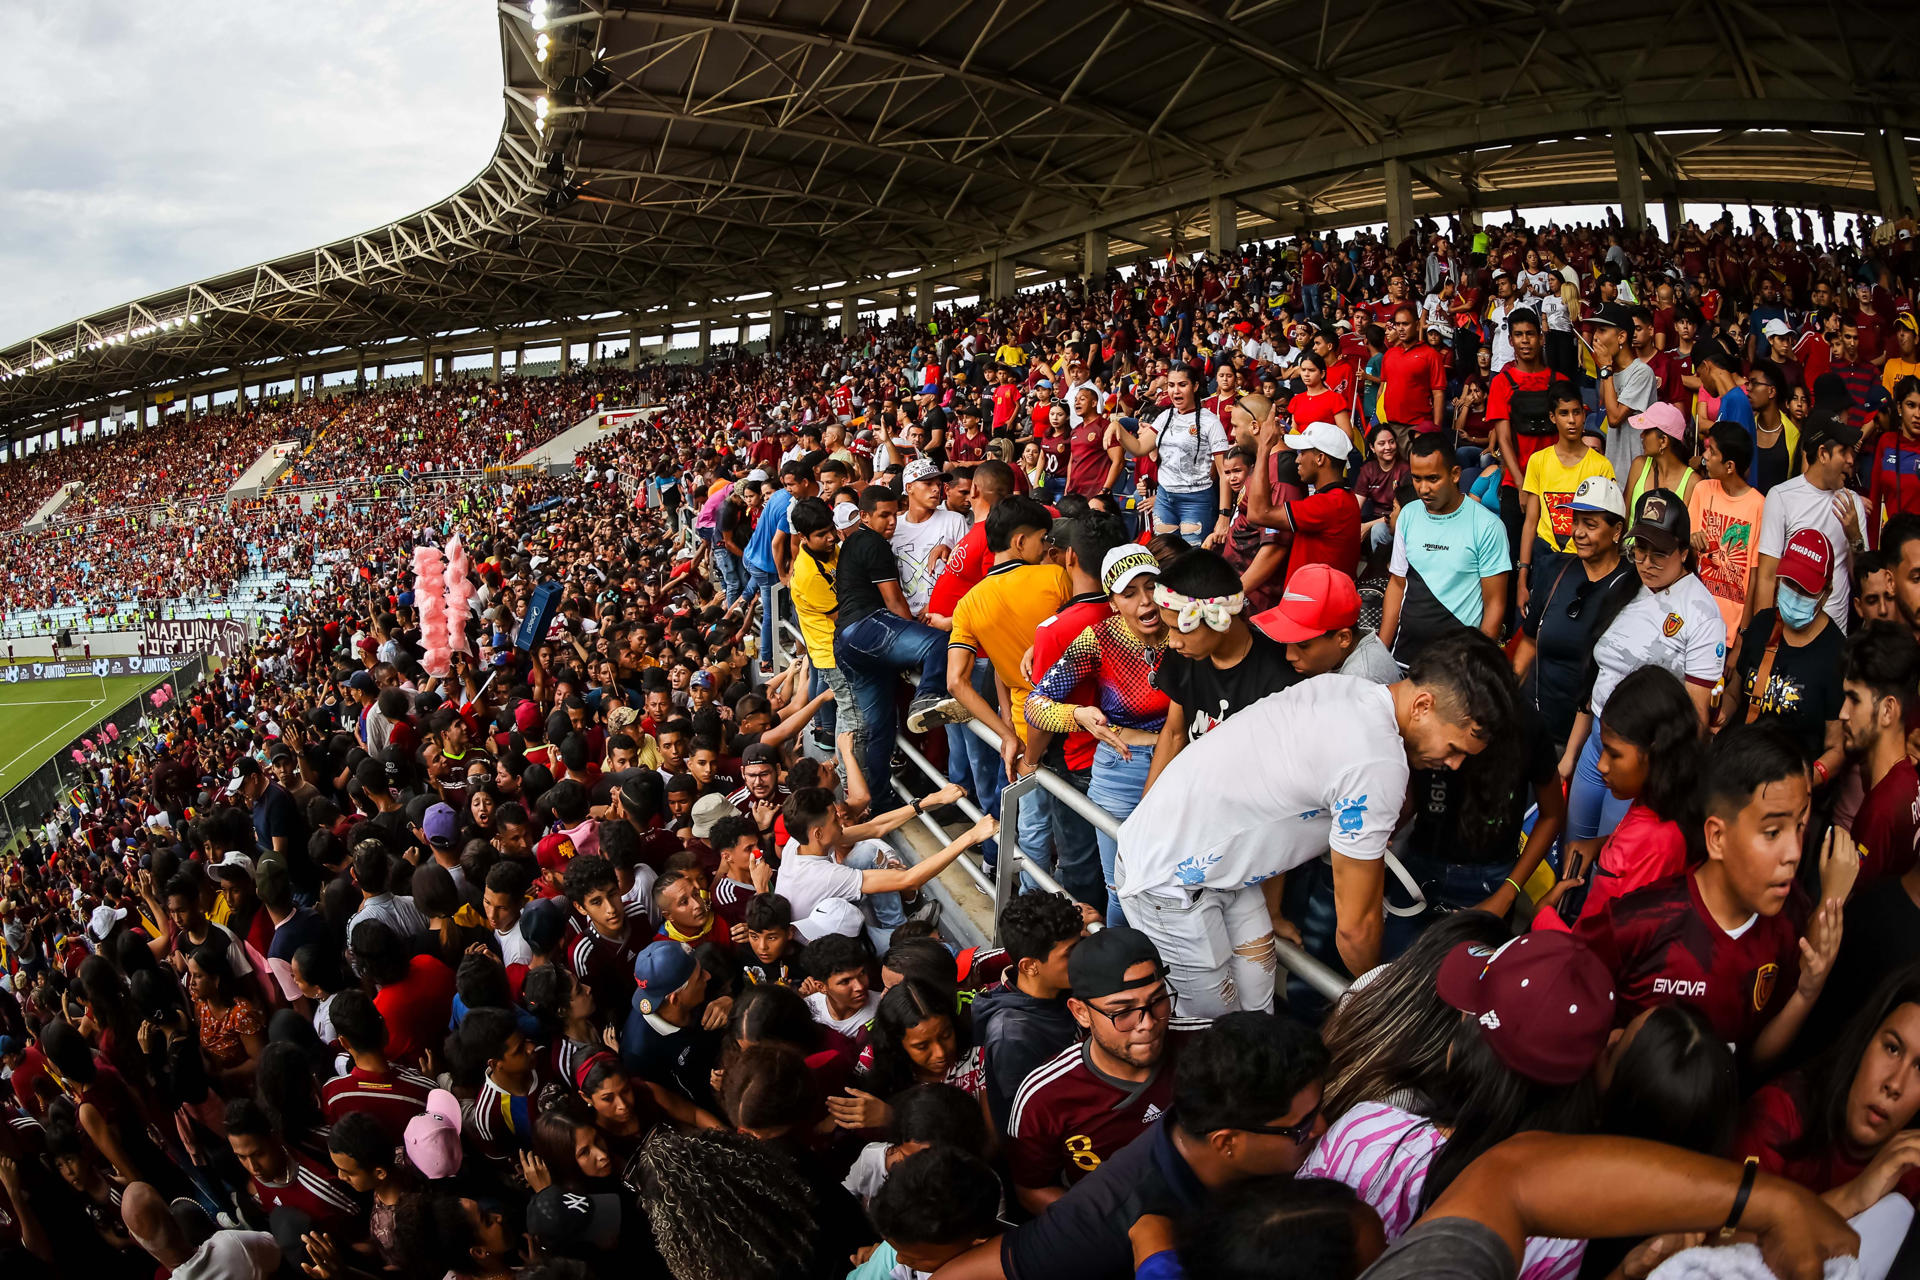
(1124, 563)
(921, 469)
(833, 915)
(1601, 494)
(1776, 329)
(845, 516)
(1325, 437)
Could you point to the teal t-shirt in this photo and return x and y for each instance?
(1443, 559)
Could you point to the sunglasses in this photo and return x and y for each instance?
(1296, 1133)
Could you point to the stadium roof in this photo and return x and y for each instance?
(673, 160)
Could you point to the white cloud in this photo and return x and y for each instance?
(153, 144)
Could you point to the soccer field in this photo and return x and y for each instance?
(38, 718)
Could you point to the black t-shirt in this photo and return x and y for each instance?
(1209, 694)
(1803, 691)
(1083, 1235)
(1452, 821)
(1882, 935)
(866, 561)
(1565, 615)
(276, 815)
(730, 520)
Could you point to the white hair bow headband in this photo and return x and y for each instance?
(1216, 611)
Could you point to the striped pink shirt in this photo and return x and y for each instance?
(1383, 1152)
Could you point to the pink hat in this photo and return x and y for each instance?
(1662, 417)
(433, 1137)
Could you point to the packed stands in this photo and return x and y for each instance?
(1519, 622)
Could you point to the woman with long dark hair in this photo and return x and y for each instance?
(1841, 1126)
(919, 1039)
(1446, 1084)
(232, 1030)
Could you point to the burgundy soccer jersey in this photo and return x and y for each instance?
(1068, 1118)
(392, 1097)
(1888, 823)
(730, 899)
(605, 964)
(1663, 947)
(314, 1192)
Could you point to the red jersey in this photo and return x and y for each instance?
(1087, 459)
(967, 563)
(1411, 375)
(1888, 823)
(392, 1097)
(605, 964)
(1052, 636)
(1326, 530)
(315, 1192)
(1308, 408)
(417, 1009)
(1894, 483)
(1500, 392)
(1068, 1119)
(1006, 398)
(1662, 946)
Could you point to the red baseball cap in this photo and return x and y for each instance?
(525, 716)
(1544, 1002)
(1807, 561)
(554, 851)
(1319, 598)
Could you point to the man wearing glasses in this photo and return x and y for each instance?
(1246, 1104)
(1094, 1097)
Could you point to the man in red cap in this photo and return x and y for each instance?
(1318, 619)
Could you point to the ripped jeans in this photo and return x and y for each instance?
(1217, 945)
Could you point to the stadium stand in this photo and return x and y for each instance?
(1371, 753)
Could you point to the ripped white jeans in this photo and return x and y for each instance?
(1217, 945)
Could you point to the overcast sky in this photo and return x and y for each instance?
(153, 144)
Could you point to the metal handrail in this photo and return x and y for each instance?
(1294, 958)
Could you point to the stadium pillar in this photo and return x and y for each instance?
(240, 394)
(496, 364)
(1670, 205)
(1093, 254)
(776, 325)
(1399, 181)
(1223, 230)
(299, 380)
(1892, 172)
(1000, 280)
(633, 347)
(1633, 189)
(706, 342)
(426, 368)
(359, 370)
(923, 302)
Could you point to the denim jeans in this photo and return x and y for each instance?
(1457, 886)
(1115, 785)
(1592, 810)
(1060, 840)
(1190, 514)
(1217, 945)
(975, 765)
(883, 910)
(766, 584)
(733, 574)
(872, 652)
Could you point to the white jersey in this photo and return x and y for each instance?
(1680, 629)
(919, 549)
(1188, 443)
(1319, 767)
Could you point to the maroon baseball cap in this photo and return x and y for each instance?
(1544, 1002)
(1318, 599)
(1807, 561)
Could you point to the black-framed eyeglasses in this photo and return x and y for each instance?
(1292, 1132)
(1128, 1018)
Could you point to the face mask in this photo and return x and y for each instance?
(1797, 608)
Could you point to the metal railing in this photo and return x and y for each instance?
(1015, 863)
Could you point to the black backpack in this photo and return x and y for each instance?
(1529, 412)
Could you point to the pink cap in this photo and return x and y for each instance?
(433, 1137)
(1662, 417)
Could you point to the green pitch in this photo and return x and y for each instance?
(40, 717)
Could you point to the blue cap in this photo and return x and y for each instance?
(542, 924)
(662, 969)
(441, 825)
(362, 681)
(930, 389)
(404, 600)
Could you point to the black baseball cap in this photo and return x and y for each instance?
(1660, 520)
(542, 924)
(970, 408)
(1097, 966)
(1829, 431)
(1612, 315)
(560, 1217)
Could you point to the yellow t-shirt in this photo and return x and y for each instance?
(1553, 482)
(815, 601)
(998, 617)
(1896, 369)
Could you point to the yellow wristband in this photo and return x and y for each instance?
(1516, 888)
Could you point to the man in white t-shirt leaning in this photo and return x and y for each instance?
(926, 533)
(1317, 769)
(1818, 499)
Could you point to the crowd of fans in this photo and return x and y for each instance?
(1328, 570)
